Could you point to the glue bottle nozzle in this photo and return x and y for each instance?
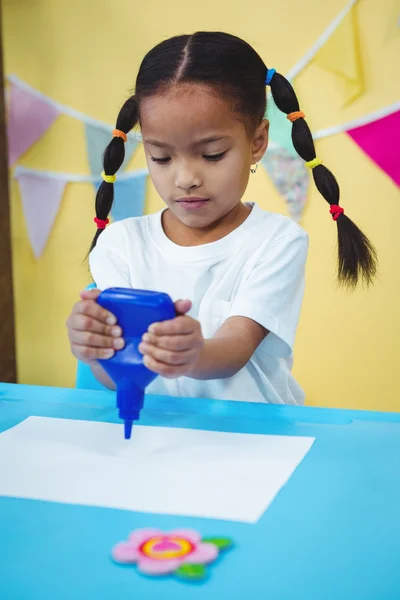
(128, 429)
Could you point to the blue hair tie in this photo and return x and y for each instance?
(270, 74)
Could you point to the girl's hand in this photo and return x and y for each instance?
(92, 330)
(172, 348)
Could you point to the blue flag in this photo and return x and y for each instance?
(129, 196)
(280, 129)
(97, 139)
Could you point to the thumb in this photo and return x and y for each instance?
(90, 294)
(182, 306)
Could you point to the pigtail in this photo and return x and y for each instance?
(357, 259)
(113, 158)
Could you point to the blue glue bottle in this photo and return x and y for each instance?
(134, 310)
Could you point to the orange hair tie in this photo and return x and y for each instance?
(121, 134)
(293, 116)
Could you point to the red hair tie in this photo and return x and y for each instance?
(336, 211)
(101, 223)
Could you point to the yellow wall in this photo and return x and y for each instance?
(86, 55)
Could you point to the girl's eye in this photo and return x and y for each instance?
(162, 161)
(214, 156)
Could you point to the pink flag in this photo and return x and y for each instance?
(41, 196)
(29, 117)
(380, 141)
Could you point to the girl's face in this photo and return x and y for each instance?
(199, 156)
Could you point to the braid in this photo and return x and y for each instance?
(113, 158)
(356, 255)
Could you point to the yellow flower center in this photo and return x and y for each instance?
(166, 547)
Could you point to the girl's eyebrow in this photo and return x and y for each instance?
(199, 143)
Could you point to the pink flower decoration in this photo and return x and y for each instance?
(159, 553)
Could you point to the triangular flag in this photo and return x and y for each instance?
(41, 197)
(341, 56)
(290, 177)
(29, 117)
(380, 141)
(97, 139)
(129, 197)
(280, 128)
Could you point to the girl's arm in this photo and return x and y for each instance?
(177, 348)
(220, 357)
(229, 350)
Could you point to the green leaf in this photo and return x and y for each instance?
(222, 543)
(191, 571)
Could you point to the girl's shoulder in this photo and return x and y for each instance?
(275, 226)
(132, 228)
(129, 224)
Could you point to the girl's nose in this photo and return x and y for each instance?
(187, 178)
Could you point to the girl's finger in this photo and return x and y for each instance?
(82, 322)
(94, 340)
(170, 342)
(90, 294)
(168, 371)
(92, 309)
(89, 354)
(167, 357)
(182, 306)
(182, 325)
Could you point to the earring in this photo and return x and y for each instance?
(254, 169)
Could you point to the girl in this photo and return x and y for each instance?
(200, 101)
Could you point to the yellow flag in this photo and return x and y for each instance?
(341, 56)
(393, 25)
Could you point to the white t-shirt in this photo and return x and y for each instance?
(256, 271)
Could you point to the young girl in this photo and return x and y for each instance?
(200, 101)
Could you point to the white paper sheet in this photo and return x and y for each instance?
(185, 472)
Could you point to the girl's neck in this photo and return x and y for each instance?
(182, 235)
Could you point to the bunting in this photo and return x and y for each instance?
(341, 56)
(97, 139)
(290, 177)
(380, 140)
(323, 39)
(42, 192)
(41, 198)
(31, 113)
(129, 196)
(29, 117)
(280, 129)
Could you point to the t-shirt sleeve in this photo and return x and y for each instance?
(272, 293)
(107, 266)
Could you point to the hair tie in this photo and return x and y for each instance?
(120, 134)
(311, 164)
(336, 211)
(270, 74)
(109, 178)
(293, 116)
(101, 223)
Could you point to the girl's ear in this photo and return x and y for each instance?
(260, 141)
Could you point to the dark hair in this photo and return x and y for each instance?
(235, 70)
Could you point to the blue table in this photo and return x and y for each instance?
(332, 533)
